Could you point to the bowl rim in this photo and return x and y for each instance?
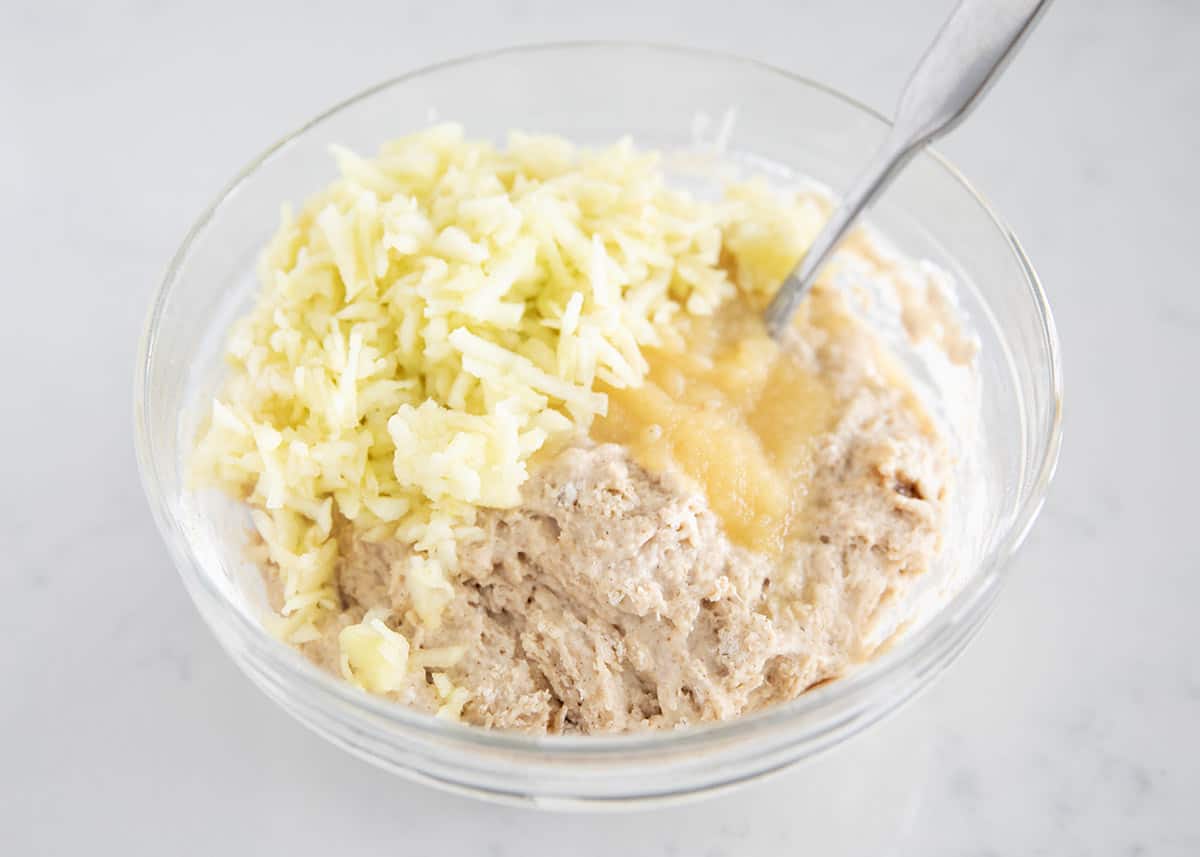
(938, 639)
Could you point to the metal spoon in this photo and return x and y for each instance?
(965, 57)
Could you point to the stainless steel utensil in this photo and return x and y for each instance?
(965, 57)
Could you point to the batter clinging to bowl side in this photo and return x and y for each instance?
(520, 452)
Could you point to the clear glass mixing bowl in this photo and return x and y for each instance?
(595, 93)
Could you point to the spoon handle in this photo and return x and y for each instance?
(967, 54)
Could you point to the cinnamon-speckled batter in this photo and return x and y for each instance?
(613, 599)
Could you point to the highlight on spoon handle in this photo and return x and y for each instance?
(888, 161)
(965, 57)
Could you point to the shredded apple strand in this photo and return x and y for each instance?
(435, 317)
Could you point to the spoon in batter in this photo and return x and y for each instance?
(965, 57)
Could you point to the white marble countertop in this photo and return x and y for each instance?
(1069, 726)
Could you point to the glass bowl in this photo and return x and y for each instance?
(596, 93)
